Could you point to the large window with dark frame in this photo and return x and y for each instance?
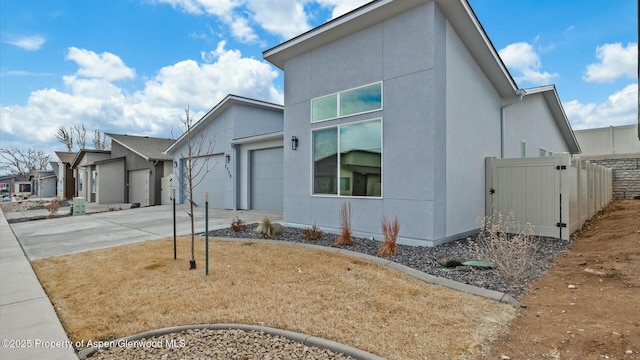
(347, 159)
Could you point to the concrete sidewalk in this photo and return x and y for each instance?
(29, 326)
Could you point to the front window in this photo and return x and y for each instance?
(93, 181)
(348, 159)
(368, 98)
(346, 103)
(80, 180)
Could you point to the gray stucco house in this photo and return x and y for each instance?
(245, 168)
(137, 167)
(66, 180)
(394, 107)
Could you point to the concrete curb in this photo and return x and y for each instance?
(428, 278)
(293, 336)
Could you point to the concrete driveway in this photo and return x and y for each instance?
(67, 235)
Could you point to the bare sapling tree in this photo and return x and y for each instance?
(20, 163)
(66, 137)
(100, 141)
(80, 136)
(195, 166)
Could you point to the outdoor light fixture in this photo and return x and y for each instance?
(227, 158)
(175, 164)
(294, 143)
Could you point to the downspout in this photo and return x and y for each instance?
(521, 93)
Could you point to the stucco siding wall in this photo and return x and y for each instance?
(473, 133)
(251, 121)
(532, 122)
(400, 52)
(221, 131)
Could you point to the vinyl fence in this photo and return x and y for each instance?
(556, 194)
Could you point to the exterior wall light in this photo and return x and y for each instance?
(294, 143)
(227, 158)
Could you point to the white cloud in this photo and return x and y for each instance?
(102, 66)
(621, 108)
(522, 58)
(91, 98)
(341, 7)
(615, 61)
(285, 18)
(241, 30)
(220, 8)
(30, 43)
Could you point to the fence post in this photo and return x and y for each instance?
(564, 163)
(489, 191)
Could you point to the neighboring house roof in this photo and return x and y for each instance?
(149, 148)
(223, 105)
(80, 154)
(458, 12)
(553, 102)
(66, 157)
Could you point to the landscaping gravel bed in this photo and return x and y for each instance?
(216, 344)
(424, 258)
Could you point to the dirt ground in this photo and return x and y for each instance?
(588, 305)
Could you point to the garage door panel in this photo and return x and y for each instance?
(139, 187)
(270, 170)
(266, 179)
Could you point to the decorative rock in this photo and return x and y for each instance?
(448, 261)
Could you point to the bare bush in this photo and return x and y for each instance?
(267, 228)
(313, 233)
(238, 225)
(390, 231)
(345, 225)
(508, 244)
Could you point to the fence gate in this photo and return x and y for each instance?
(556, 194)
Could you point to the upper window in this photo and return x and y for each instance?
(347, 159)
(350, 102)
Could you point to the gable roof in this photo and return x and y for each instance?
(221, 107)
(458, 13)
(80, 154)
(555, 106)
(65, 156)
(149, 148)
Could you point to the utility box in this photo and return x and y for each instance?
(78, 206)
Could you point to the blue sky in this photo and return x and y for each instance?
(132, 66)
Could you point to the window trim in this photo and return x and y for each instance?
(337, 126)
(337, 95)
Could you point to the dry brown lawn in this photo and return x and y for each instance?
(116, 292)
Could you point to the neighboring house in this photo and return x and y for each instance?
(86, 172)
(245, 167)
(15, 185)
(138, 166)
(44, 183)
(617, 147)
(395, 107)
(66, 179)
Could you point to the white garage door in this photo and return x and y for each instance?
(266, 179)
(139, 187)
(213, 182)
